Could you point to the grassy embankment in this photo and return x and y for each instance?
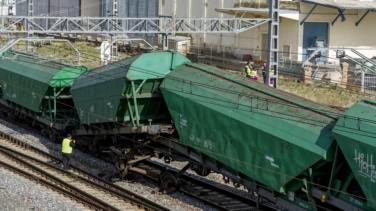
(331, 95)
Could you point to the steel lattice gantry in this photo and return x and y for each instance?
(10, 2)
(116, 25)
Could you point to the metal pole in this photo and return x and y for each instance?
(362, 81)
(273, 34)
(164, 41)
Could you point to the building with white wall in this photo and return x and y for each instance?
(90, 8)
(7, 7)
(255, 38)
(330, 23)
(339, 23)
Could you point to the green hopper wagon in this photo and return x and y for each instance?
(256, 132)
(39, 87)
(124, 97)
(355, 134)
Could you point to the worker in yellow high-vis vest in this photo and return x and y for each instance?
(67, 148)
(248, 70)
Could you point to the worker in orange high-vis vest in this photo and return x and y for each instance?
(67, 148)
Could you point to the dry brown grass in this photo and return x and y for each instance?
(327, 94)
(89, 54)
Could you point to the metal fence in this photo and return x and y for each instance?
(370, 82)
(226, 57)
(230, 58)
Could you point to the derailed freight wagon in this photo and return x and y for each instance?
(121, 102)
(279, 146)
(38, 88)
(295, 153)
(355, 134)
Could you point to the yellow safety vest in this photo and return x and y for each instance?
(253, 73)
(248, 70)
(67, 149)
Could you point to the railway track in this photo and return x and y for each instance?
(207, 192)
(90, 191)
(204, 190)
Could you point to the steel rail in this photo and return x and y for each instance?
(84, 176)
(208, 192)
(55, 183)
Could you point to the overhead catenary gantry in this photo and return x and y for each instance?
(11, 3)
(165, 25)
(118, 25)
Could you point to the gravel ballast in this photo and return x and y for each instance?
(19, 193)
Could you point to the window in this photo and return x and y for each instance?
(286, 51)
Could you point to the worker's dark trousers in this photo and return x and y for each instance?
(66, 159)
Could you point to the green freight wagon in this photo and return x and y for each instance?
(124, 97)
(260, 134)
(355, 132)
(38, 87)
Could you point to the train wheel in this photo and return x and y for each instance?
(200, 170)
(124, 172)
(168, 183)
(43, 132)
(11, 115)
(33, 123)
(120, 163)
(54, 137)
(203, 171)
